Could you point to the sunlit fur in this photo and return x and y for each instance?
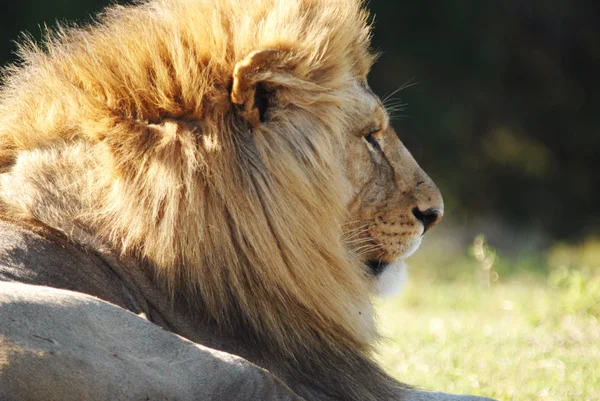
(123, 135)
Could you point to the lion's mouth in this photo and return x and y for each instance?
(376, 267)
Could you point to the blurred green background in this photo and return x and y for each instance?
(501, 109)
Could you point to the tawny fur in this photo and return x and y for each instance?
(126, 135)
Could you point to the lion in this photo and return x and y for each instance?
(222, 170)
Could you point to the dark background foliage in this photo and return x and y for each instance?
(501, 100)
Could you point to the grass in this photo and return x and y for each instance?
(519, 336)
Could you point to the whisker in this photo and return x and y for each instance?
(349, 234)
(363, 247)
(395, 102)
(358, 228)
(393, 110)
(358, 241)
(363, 250)
(408, 84)
(355, 231)
(356, 238)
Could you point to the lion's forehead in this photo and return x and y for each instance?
(366, 108)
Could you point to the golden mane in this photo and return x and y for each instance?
(244, 221)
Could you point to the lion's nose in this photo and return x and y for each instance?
(429, 205)
(429, 217)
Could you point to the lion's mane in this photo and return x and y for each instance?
(132, 125)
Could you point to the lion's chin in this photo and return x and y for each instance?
(392, 279)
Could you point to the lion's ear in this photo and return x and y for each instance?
(254, 79)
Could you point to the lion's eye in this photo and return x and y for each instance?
(373, 140)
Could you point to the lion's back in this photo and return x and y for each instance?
(39, 256)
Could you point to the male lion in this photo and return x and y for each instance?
(221, 169)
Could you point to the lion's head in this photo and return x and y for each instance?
(239, 151)
(391, 201)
